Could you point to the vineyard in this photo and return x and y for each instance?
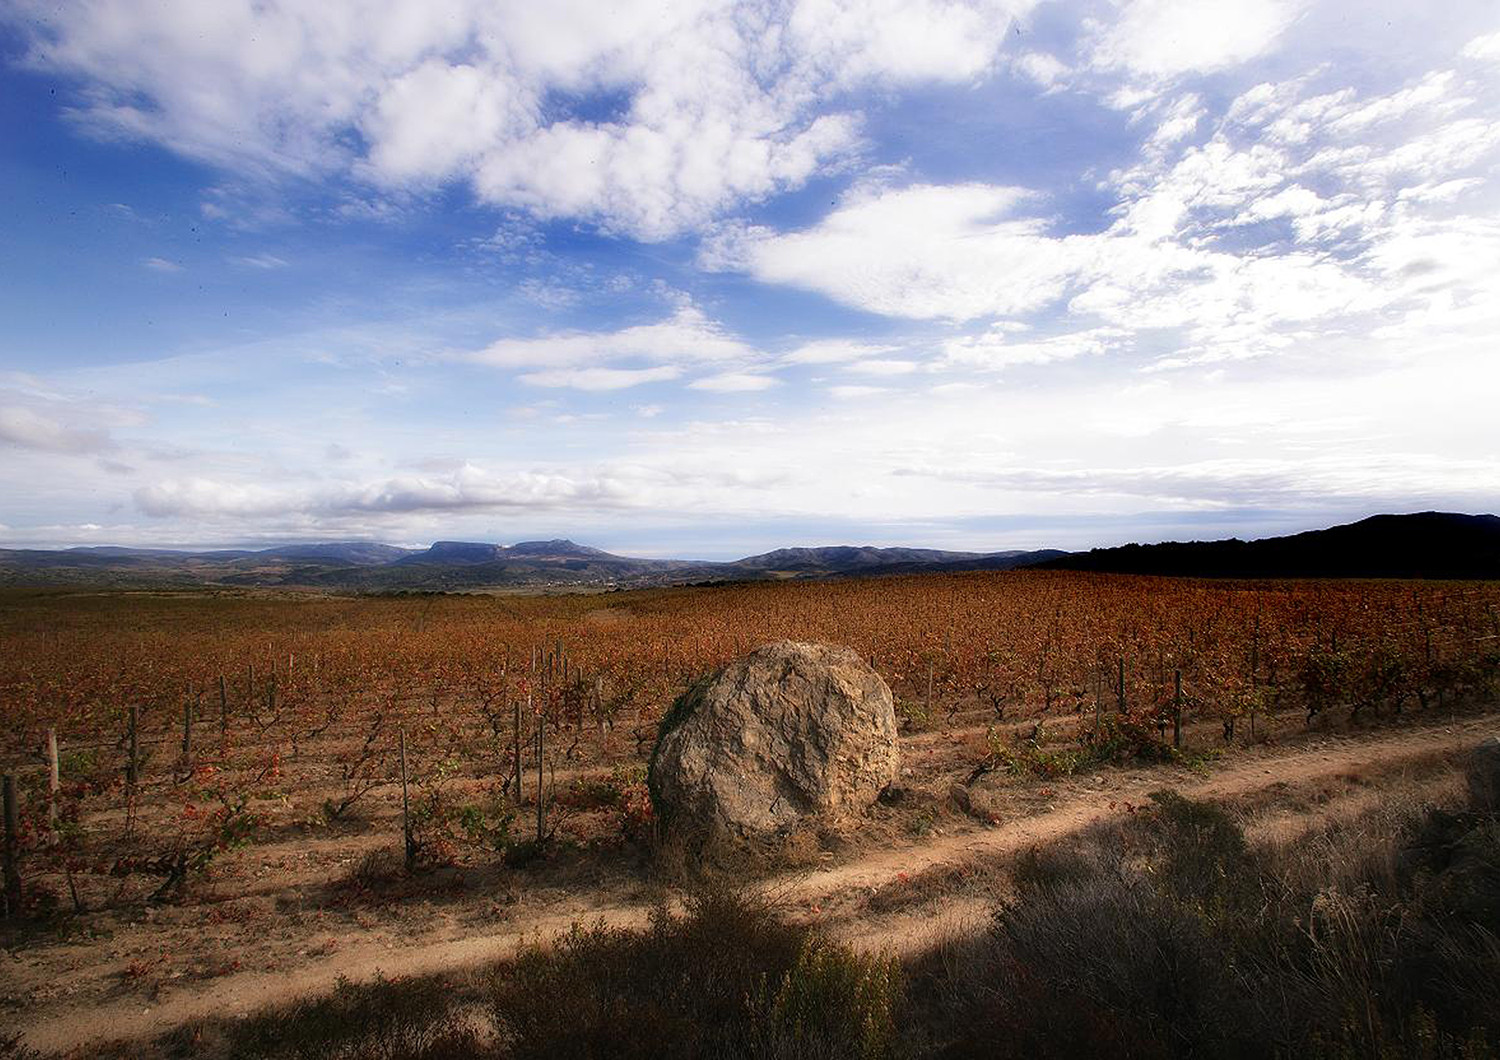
(151, 734)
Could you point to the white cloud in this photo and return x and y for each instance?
(467, 487)
(1165, 38)
(1179, 122)
(161, 265)
(1485, 48)
(903, 40)
(687, 336)
(1242, 246)
(438, 119)
(996, 350)
(261, 261)
(924, 251)
(884, 366)
(834, 351)
(1046, 70)
(734, 382)
(26, 428)
(712, 104)
(600, 378)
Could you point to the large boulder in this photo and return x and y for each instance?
(789, 733)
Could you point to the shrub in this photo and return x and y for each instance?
(388, 1019)
(1168, 935)
(12, 1048)
(727, 978)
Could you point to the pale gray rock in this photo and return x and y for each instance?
(789, 733)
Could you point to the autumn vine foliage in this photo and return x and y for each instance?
(244, 701)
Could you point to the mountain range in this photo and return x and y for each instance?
(1422, 545)
(459, 565)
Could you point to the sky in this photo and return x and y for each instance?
(705, 279)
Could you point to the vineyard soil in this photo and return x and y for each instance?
(259, 853)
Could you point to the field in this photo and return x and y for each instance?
(228, 826)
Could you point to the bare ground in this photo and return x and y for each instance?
(266, 931)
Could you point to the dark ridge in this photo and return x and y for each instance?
(1421, 545)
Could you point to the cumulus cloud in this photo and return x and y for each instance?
(1165, 38)
(1229, 245)
(923, 251)
(708, 105)
(1486, 48)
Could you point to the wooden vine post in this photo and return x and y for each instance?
(541, 802)
(54, 781)
(1177, 709)
(1120, 687)
(411, 846)
(187, 732)
(133, 764)
(516, 748)
(541, 750)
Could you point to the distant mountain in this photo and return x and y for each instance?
(460, 565)
(845, 558)
(467, 552)
(1423, 545)
(456, 552)
(477, 565)
(558, 548)
(355, 553)
(1428, 545)
(863, 559)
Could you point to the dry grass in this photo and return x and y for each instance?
(1170, 936)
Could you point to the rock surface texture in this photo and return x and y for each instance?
(788, 733)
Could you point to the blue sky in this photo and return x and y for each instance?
(705, 279)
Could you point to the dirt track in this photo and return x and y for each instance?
(836, 896)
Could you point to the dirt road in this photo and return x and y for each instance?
(835, 896)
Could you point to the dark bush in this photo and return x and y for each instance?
(389, 1019)
(725, 979)
(1168, 936)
